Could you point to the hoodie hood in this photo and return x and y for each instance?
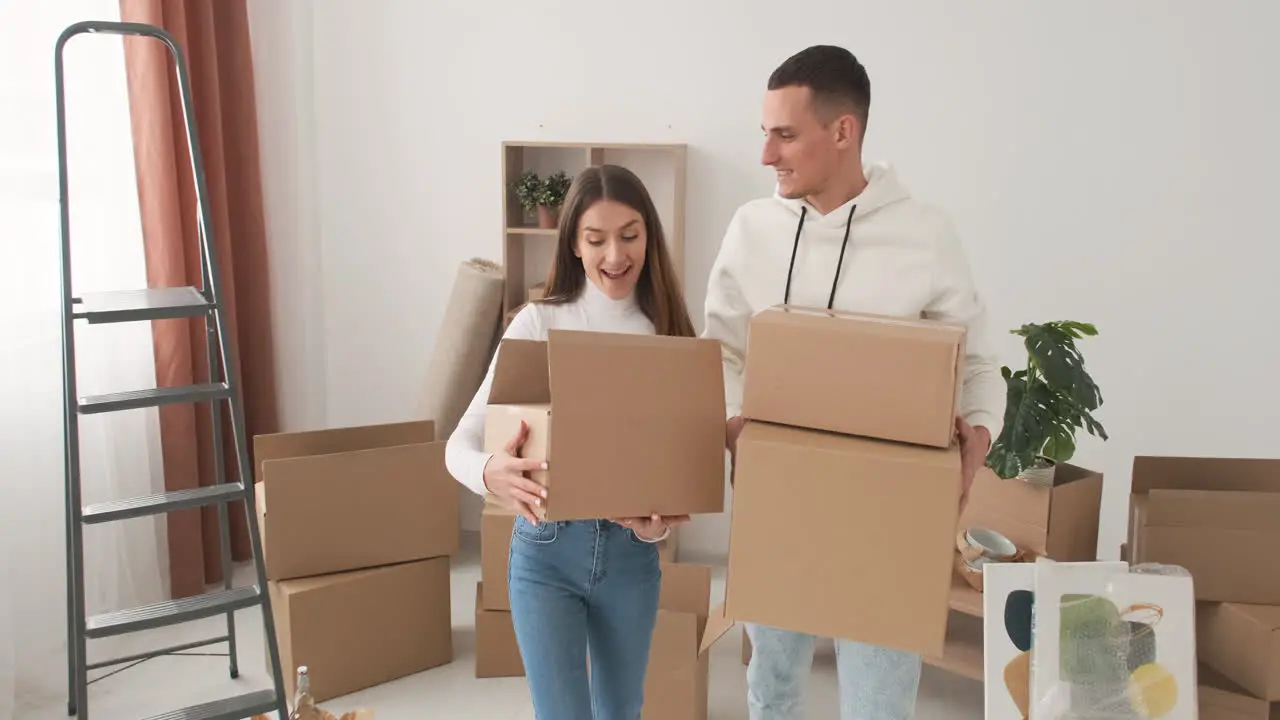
(883, 189)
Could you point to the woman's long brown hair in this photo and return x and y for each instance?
(658, 290)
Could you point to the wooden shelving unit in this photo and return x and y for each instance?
(527, 249)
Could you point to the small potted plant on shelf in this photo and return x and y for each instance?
(1047, 402)
(544, 196)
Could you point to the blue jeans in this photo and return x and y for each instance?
(579, 587)
(876, 683)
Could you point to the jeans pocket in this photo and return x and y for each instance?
(541, 534)
(636, 539)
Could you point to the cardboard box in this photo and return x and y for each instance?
(639, 421)
(1242, 642)
(676, 679)
(359, 629)
(344, 499)
(1217, 517)
(1059, 522)
(856, 374)
(536, 292)
(1221, 699)
(497, 652)
(871, 523)
(496, 521)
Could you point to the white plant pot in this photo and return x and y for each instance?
(1041, 474)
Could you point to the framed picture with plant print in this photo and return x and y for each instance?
(1112, 644)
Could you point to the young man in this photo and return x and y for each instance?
(838, 234)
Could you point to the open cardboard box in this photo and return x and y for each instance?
(1242, 642)
(1058, 522)
(639, 421)
(351, 498)
(1217, 517)
(855, 373)
(1221, 699)
(676, 680)
(819, 515)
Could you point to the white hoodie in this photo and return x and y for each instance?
(903, 258)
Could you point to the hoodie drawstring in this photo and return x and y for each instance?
(786, 298)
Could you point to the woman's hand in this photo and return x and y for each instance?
(652, 528)
(504, 476)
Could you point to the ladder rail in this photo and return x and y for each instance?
(77, 671)
(219, 359)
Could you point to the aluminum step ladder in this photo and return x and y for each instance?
(141, 306)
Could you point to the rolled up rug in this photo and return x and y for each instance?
(464, 345)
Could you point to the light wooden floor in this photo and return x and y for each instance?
(450, 691)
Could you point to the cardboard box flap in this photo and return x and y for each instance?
(669, 374)
(1205, 473)
(1265, 617)
(1230, 509)
(520, 373)
(277, 446)
(655, 401)
(686, 588)
(717, 625)
(1216, 692)
(827, 442)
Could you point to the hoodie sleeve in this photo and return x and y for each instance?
(956, 299)
(464, 453)
(728, 314)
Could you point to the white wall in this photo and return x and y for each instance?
(1106, 162)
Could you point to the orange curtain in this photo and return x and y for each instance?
(214, 38)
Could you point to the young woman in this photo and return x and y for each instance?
(585, 584)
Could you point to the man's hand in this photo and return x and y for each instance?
(731, 432)
(975, 443)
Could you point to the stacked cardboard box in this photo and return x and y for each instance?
(848, 476)
(1220, 519)
(497, 654)
(358, 525)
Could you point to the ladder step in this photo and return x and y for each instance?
(172, 612)
(234, 708)
(133, 305)
(161, 502)
(153, 397)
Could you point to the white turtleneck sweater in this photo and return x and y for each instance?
(465, 456)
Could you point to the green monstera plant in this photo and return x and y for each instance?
(1047, 402)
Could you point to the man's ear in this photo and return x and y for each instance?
(847, 130)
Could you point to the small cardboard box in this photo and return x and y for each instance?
(639, 421)
(1242, 642)
(359, 629)
(1221, 699)
(676, 679)
(856, 374)
(351, 498)
(1217, 517)
(818, 515)
(1059, 522)
(497, 652)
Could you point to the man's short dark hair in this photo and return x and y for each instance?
(838, 82)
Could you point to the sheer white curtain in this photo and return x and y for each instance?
(125, 562)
